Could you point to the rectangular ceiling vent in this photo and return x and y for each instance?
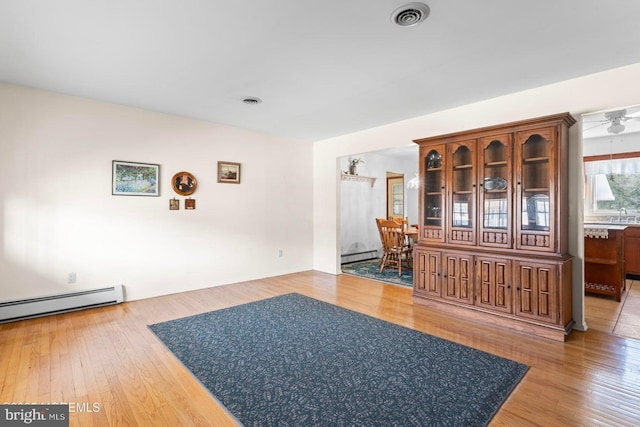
(11, 311)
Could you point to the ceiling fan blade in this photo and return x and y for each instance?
(593, 127)
(632, 116)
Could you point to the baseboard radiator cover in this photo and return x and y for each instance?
(19, 309)
(358, 256)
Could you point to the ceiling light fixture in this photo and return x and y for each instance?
(414, 182)
(410, 14)
(252, 100)
(616, 127)
(615, 117)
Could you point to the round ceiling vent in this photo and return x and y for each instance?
(410, 14)
(252, 100)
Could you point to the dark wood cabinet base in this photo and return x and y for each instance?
(553, 332)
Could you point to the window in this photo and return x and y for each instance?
(612, 184)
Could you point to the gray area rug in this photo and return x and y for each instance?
(296, 361)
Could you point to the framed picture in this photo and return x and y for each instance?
(174, 204)
(135, 179)
(229, 172)
(190, 203)
(184, 183)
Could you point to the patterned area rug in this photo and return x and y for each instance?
(371, 270)
(296, 361)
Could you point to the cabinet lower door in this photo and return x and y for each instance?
(493, 284)
(632, 250)
(426, 272)
(537, 291)
(458, 278)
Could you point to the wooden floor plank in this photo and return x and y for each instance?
(109, 357)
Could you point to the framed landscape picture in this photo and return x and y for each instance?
(135, 179)
(229, 172)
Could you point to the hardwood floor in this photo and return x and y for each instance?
(605, 314)
(109, 357)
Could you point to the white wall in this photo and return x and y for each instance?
(57, 214)
(602, 91)
(621, 143)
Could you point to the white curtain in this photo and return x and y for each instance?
(613, 166)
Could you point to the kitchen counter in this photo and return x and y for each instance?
(610, 225)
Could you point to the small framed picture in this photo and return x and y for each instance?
(229, 172)
(174, 204)
(190, 203)
(134, 179)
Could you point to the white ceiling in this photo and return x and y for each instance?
(323, 68)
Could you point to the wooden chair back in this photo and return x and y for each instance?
(402, 221)
(392, 235)
(378, 222)
(394, 244)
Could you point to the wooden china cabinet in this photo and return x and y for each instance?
(493, 225)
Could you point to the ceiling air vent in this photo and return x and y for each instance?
(252, 100)
(410, 14)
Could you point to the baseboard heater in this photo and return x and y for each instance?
(11, 311)
(358, 256)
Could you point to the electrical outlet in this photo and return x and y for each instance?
(72, 277)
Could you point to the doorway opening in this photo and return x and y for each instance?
(395, 195)
(611, 156)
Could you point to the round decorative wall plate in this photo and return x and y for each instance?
(184, 183)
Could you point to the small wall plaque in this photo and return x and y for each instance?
(190, 203)
(174, 204)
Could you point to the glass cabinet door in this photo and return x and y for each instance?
(462, 200)
(536, 189)
(495, 198)
(433, 194)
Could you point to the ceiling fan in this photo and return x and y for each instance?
(615, 120)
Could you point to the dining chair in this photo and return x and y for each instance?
(396, 251)
(378, 222)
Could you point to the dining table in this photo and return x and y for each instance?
(411, 234)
